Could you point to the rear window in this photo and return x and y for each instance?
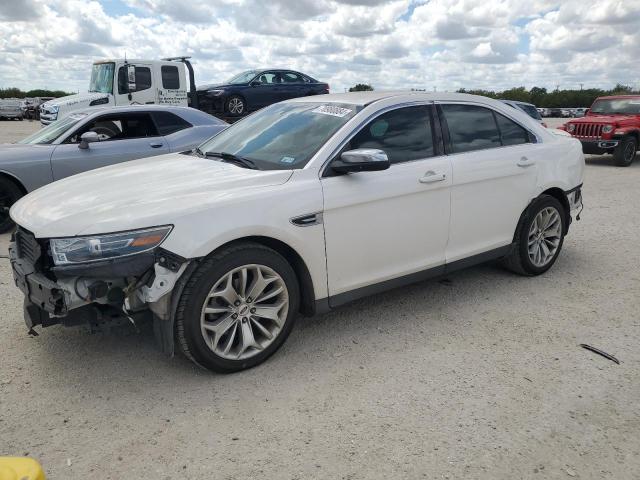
(471, 128)
(531, 111)
(169, 123)
(170, 77)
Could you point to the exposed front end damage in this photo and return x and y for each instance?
(102, 294)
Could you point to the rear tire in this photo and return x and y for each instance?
(10, 193)
(539, 238)
(219, 325)
(625, 152)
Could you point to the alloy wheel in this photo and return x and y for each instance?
(545, 235)
(236, 106)
(244, 312)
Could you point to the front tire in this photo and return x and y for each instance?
(10, 193)
(625, 152)
(235, 106)
(237, 308)
(539, 237)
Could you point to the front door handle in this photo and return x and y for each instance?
(155, 145)
(525, 162)
(432, 177)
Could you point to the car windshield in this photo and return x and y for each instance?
(244, 77)
(283, 136)
(51, 132)
(102, 78)
(620, 105)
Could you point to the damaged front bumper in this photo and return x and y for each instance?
(101, 294)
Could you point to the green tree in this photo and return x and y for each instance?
(361, 87)
(13, 92)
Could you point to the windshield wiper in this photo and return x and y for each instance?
(230, 157)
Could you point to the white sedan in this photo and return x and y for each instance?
(298, 208)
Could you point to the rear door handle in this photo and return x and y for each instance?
(155, 145)
(432, 177)
(525, 162)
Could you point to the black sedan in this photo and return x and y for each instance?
(255, 89)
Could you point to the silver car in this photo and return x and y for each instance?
(96, 138)
(528, 108)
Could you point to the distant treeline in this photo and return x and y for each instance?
(17, 93)
(540, 97)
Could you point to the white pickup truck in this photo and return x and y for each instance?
(125, 82)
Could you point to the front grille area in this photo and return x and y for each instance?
(27, 246)
(588, 130)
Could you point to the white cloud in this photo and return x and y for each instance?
(388, 43)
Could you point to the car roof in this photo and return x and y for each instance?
(369, 97)
(190, 114)
(517, 102)
(613, 97)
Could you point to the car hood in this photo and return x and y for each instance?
(142, 193)
(77, 100)
(203, 88)
(604, 119)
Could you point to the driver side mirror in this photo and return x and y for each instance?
(131, 78)
(86, 138)
(361, 160)
(255, 83)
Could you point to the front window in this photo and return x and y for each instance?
(50, 133)
(283, 136)
(102, 78)
(244, 77)
(629, 106)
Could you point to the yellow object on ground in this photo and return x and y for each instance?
(20, 468)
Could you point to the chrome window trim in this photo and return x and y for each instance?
(355, 130)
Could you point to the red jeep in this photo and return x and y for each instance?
(611, 125)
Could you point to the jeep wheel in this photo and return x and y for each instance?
(625, 152)
(10, 193)
(238, 308)
(539, 238)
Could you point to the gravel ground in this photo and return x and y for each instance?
(479, 376)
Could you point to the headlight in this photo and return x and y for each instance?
(571, 127)
(607, 129)
(66, 251)
(215, 93)
(54, 108)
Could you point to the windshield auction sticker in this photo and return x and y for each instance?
(332, 110)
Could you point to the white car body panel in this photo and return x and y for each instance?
(377, 225)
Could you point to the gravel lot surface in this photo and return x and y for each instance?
(479, 376)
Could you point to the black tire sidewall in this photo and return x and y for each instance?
(619, 153)
(244, 106)
(206, 278)
(13, 192)
(523, 247)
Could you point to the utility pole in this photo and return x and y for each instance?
(581, 86)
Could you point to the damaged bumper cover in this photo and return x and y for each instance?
(98, 293)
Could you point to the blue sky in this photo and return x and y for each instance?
(391, 44)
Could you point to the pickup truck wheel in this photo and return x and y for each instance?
(238, 308)
(539, 237)
(625, 152)
(10, 193)
(235, 106)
